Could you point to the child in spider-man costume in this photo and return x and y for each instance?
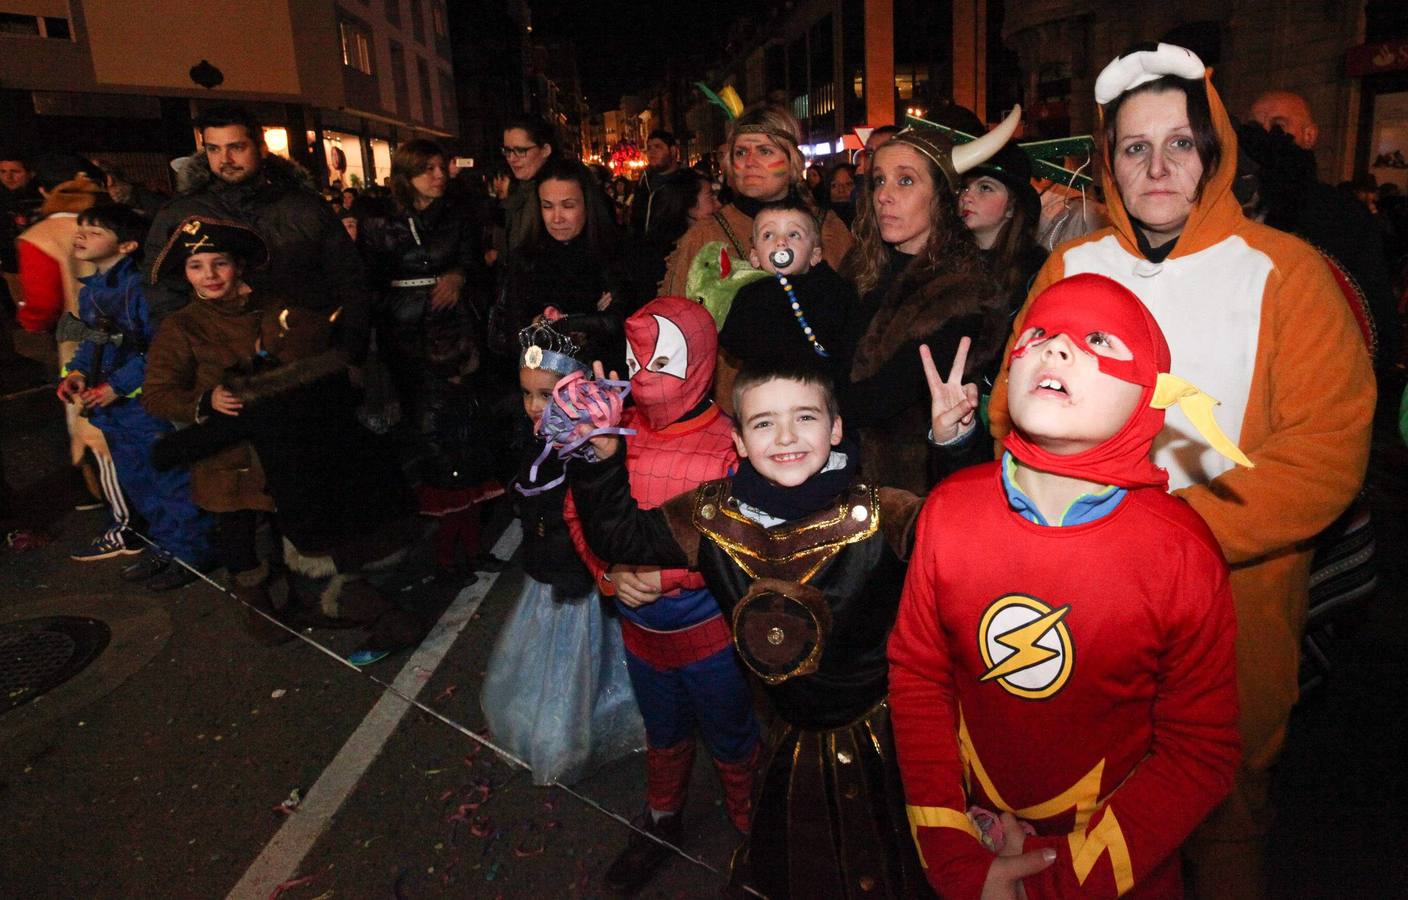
(678, 649)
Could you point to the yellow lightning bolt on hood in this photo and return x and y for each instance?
(1023, 640)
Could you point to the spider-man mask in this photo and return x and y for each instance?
(671, 345)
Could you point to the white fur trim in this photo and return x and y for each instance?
(1125, 73)
(311, 566)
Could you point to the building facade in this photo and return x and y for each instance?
(338, 83)
(1306, 46)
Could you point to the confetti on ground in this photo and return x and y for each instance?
(279, 692)
(293, 883)
(290, 803)
(446, 694)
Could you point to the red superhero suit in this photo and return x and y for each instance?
(1080, 676)
(678, 648)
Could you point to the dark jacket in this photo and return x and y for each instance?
(312, 261)
(338, 488)
(549, 557)
(762, 326)
(441, 238)
(887, 399)
(521, 215)
(649, 183)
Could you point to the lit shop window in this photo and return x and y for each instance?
(356, 47)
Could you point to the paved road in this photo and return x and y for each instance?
(157, 771)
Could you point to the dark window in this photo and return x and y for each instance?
(427, 108)
(418, 20)
(393, 12)
(774, 68)
(447, 101)
(400, 80)
(14, 23)
(56, 27)
(797, 67)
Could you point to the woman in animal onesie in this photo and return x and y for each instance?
(1253, 316)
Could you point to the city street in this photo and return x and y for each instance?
(167, 767)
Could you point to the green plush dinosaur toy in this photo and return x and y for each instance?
(715, 276)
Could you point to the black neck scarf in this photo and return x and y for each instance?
(811, 496)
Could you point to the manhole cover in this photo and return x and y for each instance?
(38, 655)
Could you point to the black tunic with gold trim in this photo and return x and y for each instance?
(811, 602)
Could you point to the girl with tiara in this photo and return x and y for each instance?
(556, 693)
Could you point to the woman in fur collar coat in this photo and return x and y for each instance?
(921, 281)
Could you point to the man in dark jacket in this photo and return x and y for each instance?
(1297, 201)
(312, 262)
(663, 157)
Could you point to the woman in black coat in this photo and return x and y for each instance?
(422, 256)
(574, 264)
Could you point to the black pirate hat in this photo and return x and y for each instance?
(205, 234)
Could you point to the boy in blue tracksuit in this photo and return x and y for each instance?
(105, 376)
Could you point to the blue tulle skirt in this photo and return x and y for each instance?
(556, 692)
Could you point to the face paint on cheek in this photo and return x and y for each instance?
(776, 165)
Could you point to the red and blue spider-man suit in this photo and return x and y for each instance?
(678, 649)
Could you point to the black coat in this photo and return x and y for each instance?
(548, 554)
(312, 261)
(443, 237)
(761, 325)
(337, 486)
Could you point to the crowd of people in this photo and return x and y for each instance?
(754, 460)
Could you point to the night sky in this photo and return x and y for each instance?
(622, 47)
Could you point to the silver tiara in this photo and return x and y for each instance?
(544, 347)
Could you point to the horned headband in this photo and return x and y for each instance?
(955, 159)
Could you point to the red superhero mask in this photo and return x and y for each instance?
(1076, 307)
(671, 345)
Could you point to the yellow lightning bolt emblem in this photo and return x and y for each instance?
(1022, 640)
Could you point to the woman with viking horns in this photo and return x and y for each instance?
(921, 281)
(1253, 316)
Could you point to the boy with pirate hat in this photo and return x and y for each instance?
(1065, 709)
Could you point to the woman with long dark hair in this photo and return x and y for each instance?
(921, 281)
(572, 263)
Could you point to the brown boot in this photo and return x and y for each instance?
(252, 588)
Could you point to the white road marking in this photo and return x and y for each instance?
(281, 857)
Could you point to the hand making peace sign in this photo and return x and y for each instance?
(952, 403)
